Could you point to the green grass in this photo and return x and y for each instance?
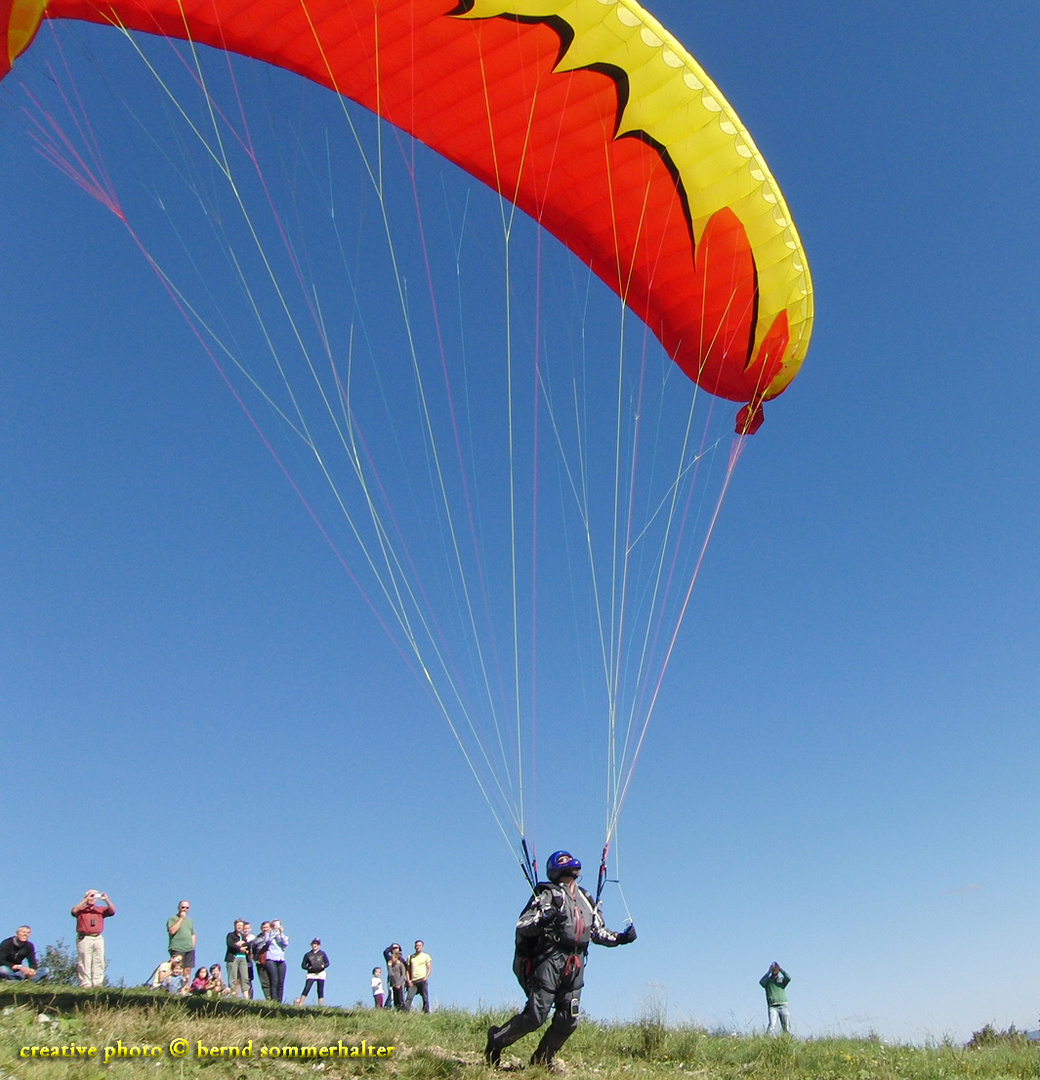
(445, 1046)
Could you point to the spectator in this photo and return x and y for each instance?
(315, 963)
(420, 966)
(181, 931)
(239, 979)
(175, 982)
(217, 986)
(18, 957)
(397, 974)
(250, 938)
(90, 914)
(259, 949)
(276, 942)
(200, 984)
(774, 982)
(159, 975)
(377, 986)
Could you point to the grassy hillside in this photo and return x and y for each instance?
(142, 1033)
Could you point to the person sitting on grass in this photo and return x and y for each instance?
(159, 975)
(18, 957)
(200, 984)
(175, 982)
(217, 986)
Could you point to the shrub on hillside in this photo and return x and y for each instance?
(989, 1036)
(60, 960)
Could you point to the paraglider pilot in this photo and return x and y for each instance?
(552, 940)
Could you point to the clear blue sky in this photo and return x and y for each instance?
(196, 702)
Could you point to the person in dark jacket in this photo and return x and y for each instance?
(315, 963)
(18, 957)
(236, 956)
(552, 940)
(258, 948)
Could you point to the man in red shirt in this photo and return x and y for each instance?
(90, 914)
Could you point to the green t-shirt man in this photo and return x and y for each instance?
(181, 931)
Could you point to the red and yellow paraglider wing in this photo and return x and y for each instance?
(20, 19)
(585, 113)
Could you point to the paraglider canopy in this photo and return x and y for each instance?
(586, 114)
(19, 20)
(591, 118)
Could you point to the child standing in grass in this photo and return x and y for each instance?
(377, 986)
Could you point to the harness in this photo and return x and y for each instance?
(570, 935)
(574, 963)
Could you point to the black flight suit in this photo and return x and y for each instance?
(552, 940)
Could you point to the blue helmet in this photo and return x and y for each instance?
(560, 863)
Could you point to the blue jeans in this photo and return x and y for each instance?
(9, 973)
(276, 977)
(779, 1016)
